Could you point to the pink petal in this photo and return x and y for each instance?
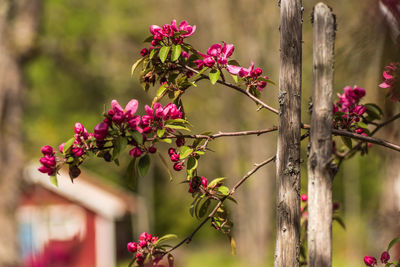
(228, 50)
(116, 107)
(387, 76)
(131, 107)
(154, 29)
(384, 85)
(232, 69)
(214, 50)
(173, 25)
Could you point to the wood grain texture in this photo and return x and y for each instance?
(320, 174)
(287, 247)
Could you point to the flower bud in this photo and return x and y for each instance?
(132, 247)
(171, 151)
(142, 243)
(175, 157)
(385, 257)
(74, 172)
(335, 206)
(370, 261)
(47, 150)
(178, 166)
(144, 52)
(78, 151)
(147, 129)
(257, 71)
(61, 147)
(79, 129)
(154, 239)
(48, 161)
(204, 182)
(304, 197)
(180, 141)
(44, 169)
(135, 152)
(152, 149)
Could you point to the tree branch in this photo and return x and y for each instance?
(219, 204)
(240, 90)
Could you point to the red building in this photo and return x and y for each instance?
(74, 224)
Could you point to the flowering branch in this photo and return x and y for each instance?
(219, 204)
(255, 99)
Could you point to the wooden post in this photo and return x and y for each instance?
(319, 162)
(287, 247)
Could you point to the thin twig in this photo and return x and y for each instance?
(255, 99)
(219, 204)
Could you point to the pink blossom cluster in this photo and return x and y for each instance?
(347, 110)
(118, 121)
(81, 135)
(143, 247)
(215, 54)
(48, 160)
(171, 32)
(371, 261)
(250, 74)
(391, 81)
(175, 157)
(196, 182)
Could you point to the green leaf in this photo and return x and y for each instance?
(185, 151)
(163, 54)
(178, 127)
(176, 52)
(200, 72)
(53, 180)
(166, 140)
(164, 238)
(136, 64)
(192, 163)
(160, 132)
(233, 245)
(138, 137)
(161, 90)
(215, 182)
(235, 78)
(177, 121)
(223, 190)
(347, 141)
(339, 220)
(116, 161)
(149, 39)
(362, 125)
(374, 111)
(68, 145)
(152, 53)
(204, 208)
(393, 242)
(132, 173)
(144, 165)
(214, 76)
(120, 144)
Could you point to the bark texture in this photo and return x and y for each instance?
(287, 247)
(319, 162)
(18, 27)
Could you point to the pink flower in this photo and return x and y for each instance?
(385, 257)
(120, 114)
(175, 157)
(390, 80)
(209, 62)
(184, 26)
(78, 151)
(142, 243)
(216, 53)
(214, 50)
(171, 151)
(61, 147)
(132, 247)
(48, 161)
(370, 261)
(79, 129)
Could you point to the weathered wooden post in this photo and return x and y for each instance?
(320, 156)
(287, 247)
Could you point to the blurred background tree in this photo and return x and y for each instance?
(82, 60)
